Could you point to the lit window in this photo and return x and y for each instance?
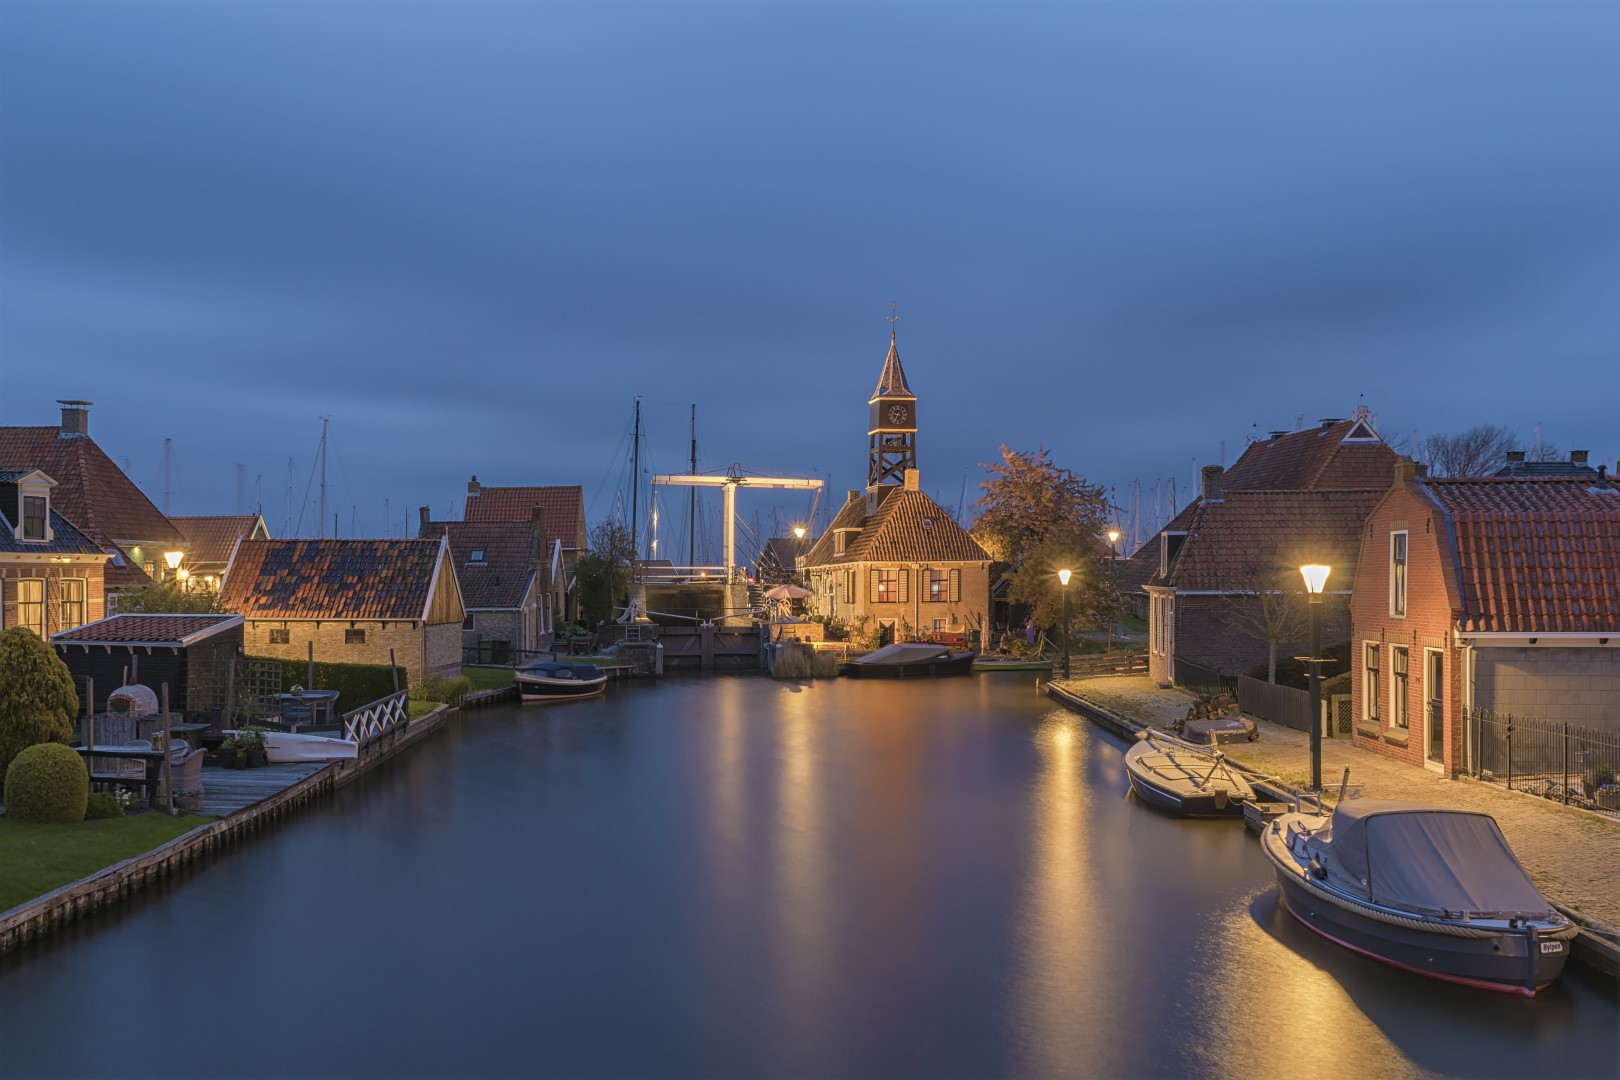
(31, 604)
(1397, 573)
(939, 586)
(885, 586)
(280, 637)
(33, 517)
(73, 592)
(354, 637)
(1370, 689)
(1398, 716)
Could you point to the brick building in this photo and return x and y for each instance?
(94, 494)
(1501, 593)
(505, 569)
(210, 541)
(1226, 561)
(564, 509)
(353, 599)
(892, 556)
(51, 574)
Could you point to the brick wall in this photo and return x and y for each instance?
(404, 637)
(94, 575)
(1205, 635)
(1565, 685)
(1427, 624)
(971, 612)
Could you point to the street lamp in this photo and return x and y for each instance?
(1113, 547)
(798, 556)
(172, 558)
(1315, 578)
(1063, 577)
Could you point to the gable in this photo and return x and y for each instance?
(91, 491)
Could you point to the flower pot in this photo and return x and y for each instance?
(1609, 800)
(235, 761)
(256, 758)
(190, 803)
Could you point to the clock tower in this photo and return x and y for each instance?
(893, 427)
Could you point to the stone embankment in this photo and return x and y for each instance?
(1572, 855)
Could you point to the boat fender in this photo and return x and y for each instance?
(1220, 799)
(1318, 871)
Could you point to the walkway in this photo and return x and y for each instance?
(225, 791)
(1573, 855)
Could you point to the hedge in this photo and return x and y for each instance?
(1291, 672)
(356, 684)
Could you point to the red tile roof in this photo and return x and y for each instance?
(908, 527)
(892, 379)
(209, 540)
(564, 509)
(148, 629)
(498, 581)
(1254, 536)
(331, 579)
(1533, 554)
(1315, 459)
(91, 491)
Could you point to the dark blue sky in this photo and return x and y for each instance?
(471, 233)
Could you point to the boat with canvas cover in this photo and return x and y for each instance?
(1177, 776)
(1431, 890)
(909, 660)
(557, 680)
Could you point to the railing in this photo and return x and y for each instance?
(1204, 680)
(1082, 667)
(1578, 766)
(381, 716)
(1279, 704)
(680, 574)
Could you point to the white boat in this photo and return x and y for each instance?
(1191, 780)
(280, 746)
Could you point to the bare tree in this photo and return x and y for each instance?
(1479, 451)
(1266, 607)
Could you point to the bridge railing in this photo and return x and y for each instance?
(381, 716)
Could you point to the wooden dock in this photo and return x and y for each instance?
(225, 791)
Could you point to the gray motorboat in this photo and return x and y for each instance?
(1194, 781)
(1431, 890)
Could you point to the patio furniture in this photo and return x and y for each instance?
(186, 770)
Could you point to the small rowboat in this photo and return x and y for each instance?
(559, 681)
(1193, 781)
(1430, 890)
(910, 660)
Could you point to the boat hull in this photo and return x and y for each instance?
(1225, 802)
(1500, 961)
(927, 669)
(556, 681)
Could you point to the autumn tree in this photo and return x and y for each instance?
(1041, 518)
(604, 572)
(37, 699)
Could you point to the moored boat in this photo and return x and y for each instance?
(909, 660)
(556, 680)
(282, 746)
(1185, 779)
(1427, 889)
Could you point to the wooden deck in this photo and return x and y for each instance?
(225, 791)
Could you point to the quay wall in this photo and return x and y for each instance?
(44, 914)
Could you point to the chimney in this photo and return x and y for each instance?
(1329, 421)
(1577, 457)
(1603, 476)
(537, 539)
(853, 495)
(537, 520)
(1214, 483)
(472, 487)
(913, 479)
(75, 419)
(1421, 469)
(1405, 469)
(1275, 435)
(1515, 457)
(421, 533)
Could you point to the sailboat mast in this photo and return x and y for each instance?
(323, 480)
(635, 484)
(691, 499)
(168, 445)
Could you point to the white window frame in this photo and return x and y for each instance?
(1400, 703)
(1400, 573)
(22, 620)
(83, 602)
(1372, 681)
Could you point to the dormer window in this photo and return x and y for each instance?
(35, 512)
(476, 555)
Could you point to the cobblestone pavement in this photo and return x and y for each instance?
(1573, 855)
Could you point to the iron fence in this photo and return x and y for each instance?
(1203, 680)
(1578, 766)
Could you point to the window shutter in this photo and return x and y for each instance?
(956, 585)
(873, 596)
(905, 586)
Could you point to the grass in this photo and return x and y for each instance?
(34, 859)
(488, 678)
(415, 709)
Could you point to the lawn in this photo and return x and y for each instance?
(34, 859)
(415, 708)
(488, 678)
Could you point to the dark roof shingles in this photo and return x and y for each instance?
(331, 579)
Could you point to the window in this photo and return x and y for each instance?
(33, 517)
(476, 555)
(1398, 717)
(885, 586)
(354, 637)
(939, 626)
(72, 592)
(467, 623)
(280, 637)
(939, 586)
(1397, 573)
(1370, 689)
(31, 604)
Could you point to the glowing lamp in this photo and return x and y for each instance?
(1315, 578)
(1113, 537)
(173, 558)
(798, 531)
(1063, 577)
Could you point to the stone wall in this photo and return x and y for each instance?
(1205, 633)
(1574, 686)
(329, 636)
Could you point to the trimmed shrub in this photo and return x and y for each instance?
(37, 700)
(47, 785)
(102, 804)
(1339, 685)
(356, 684)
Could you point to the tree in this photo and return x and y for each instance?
(1267, 607)
(37, 699)
(168, 598)
(1041, 518)
(604, 572)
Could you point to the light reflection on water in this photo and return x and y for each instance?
(737, 877)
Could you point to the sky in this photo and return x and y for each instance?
(472, 234)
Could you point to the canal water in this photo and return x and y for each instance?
(734, 877)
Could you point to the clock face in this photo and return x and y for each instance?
(897, 414)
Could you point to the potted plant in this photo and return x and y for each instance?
(1605, 792)
(252, 741)
(232, 755)
(188, 800)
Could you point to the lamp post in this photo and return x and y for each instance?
(1315, 578)
(172, 558)
(1063, 577)
(1113, 547)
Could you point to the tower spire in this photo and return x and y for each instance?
(892, 447)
